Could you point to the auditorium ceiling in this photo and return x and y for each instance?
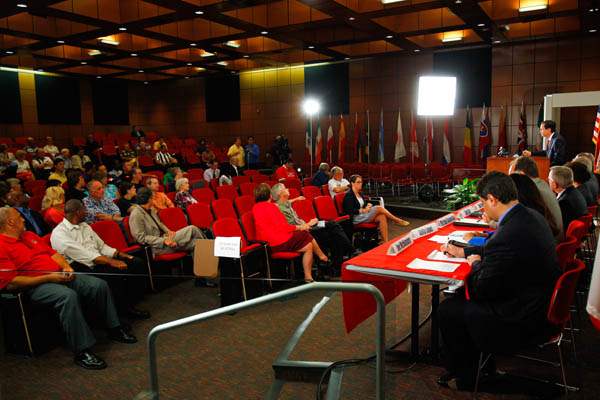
(148, 40)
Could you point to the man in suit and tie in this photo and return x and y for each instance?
(571, 201)
(510, 285)
(557, 145)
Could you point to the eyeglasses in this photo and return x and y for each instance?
(357, 181)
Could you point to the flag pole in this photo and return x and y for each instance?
(311, 143)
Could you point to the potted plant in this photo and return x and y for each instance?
(462, 194)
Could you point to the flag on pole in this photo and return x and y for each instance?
(522, 138)
(319, 146)
(342, 141)
(308, 142)
(484, 134)
(357, 140)
(446, 153)
(502, 129)
(468, 148)
(330, 142)
(540, 119)
(414, 145)
(381, 138)
(368, 146)
(596, 140)
(399, 150)
(429, 139)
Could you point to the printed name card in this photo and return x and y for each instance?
(399, 245)
(227, 246)
(473, 208)
(423, 230)
(445, 220)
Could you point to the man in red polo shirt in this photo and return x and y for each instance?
(286, 171)
(28, 265)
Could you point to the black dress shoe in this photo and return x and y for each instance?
(445, 378)
(135, 313)
(119, 335)
(88, 360)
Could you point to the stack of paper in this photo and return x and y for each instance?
(438, 266)
(439, 256)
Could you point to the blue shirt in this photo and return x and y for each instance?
(252, 153)
(103, 206)
(26, 213)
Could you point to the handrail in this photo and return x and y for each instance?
(329, 286)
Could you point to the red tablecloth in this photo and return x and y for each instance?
(360, 306)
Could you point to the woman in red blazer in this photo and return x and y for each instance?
(272, 227)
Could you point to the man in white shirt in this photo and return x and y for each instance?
(50, 147)
(213, 172)
(337, 184)
(86, 252)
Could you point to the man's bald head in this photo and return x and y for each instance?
(11, 222)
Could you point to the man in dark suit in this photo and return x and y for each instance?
(34, 221)
(557, 145)
(571, 201)
(510, 284)
(231, 169)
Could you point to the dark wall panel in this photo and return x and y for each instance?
(473, 71)
(10, 98)
(222, 96)
(110, 102)
(58, 100)
(330, 85)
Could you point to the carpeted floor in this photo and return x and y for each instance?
(231, 357)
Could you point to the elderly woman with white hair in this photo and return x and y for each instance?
(183, 198)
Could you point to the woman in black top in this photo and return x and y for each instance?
(580, 176)
(127, 191)
(360, 211)
(75, 185)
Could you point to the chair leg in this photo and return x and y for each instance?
(562, 367)
(480, 364)
(25, 324)
(149, 264)
(243, 279)
(268, 267)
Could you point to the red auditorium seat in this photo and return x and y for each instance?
(310, 192)
(243, 204)
(203, 195)
(247, 189)
(200, 215)
(223, 208)
(326, 209)
(174, 218)
(227, 192)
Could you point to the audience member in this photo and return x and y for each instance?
(42, 165)
(79, 158)
(159, 144)
(337, 183)
(529, 195)
(59, 171)
(15, 185)
(111, 193)
(571, 201)
(24, 172)
(527, 166)
(86, 252)
(50, 147)
(6, 157)
(207, 156)
(65, 154)
(592, 183)
(231, 168)
(4, 192)
(160, 200)
(252, 153)
(127, 198)
(329, 236)
(163, 158)
(280, 151)
(34, 221)
(127, 154)
(322, 176)
(148, 229)
(93, 148)
(286, 171)
(272, 227)
(137, 132)
(580, 177)
(201, 147)
(143, 149)
(48, 280)
(137, 178)
(171, 177)
(361, 211)
(212, 172)
(98, 207)
(236, 151)
(75, 185)
(53, 206)
(183, 198)
(503, 313)
(31, 148)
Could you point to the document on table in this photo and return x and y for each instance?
(438, 266)
(456, 235)
(439, 256)
(439, 239)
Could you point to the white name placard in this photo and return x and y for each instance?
(423, 230)
(399, 245)
(227, 246)
(445, 220)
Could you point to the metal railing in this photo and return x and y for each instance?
(322, 286)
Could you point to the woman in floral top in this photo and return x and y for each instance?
(183, 198)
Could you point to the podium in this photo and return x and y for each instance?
(501, 164)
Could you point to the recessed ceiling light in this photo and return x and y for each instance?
(94, 52)
(346, 58)
(246, 56)
(264, 32)
(452, 39)
(200, 69)
(206, 54)
(497, 41)
(534, 7)
(389, 36)
(21, 5)
(390, 1)
(122, 28)
(193, 44)
(145, 82)
(83, 62)
(199, 12)
(109, 40)
(60, 41)
(351, 18)
(416, 50)
(98, 77)
(457, 2)
(140, 70)
(133, 54)
(311, 47)
(481, 24)
(224, 63)
(187, 77)
(40, 70)
(10, 52)
(592, 31)
(189, 64)
(233, 43)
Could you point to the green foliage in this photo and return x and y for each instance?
(462, 194)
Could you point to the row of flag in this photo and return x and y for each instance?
(362, 139)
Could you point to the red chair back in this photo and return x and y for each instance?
(145, 161)
(292, 183)
(203, 195)
(339, 202)
(128, 235)
(325, 190)
(587, 219)
(559, 310)
(35, 187)
(171, 196)
(306, 182)
(248, 225)
(577, 230)
(228, 227)
(251, 172)
(294, 193)
(35, 202)
(110, 233)
(259, 178)
(304, 209)
(238, 180)
(200, 215)
(227, 192)
(243, 204)
(310, 192)
(173, 218)
(247, 188)
(566, 251)
(325, 208)
(223, 208)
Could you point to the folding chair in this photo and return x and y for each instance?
(200, 215)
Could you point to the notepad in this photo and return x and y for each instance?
(439, 239)
(439, 256)
(438, 266)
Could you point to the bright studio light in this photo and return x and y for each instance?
(311, 107)
(436, 95)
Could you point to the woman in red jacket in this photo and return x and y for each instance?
(272, 227)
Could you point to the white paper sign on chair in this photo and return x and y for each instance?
(227, 246)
